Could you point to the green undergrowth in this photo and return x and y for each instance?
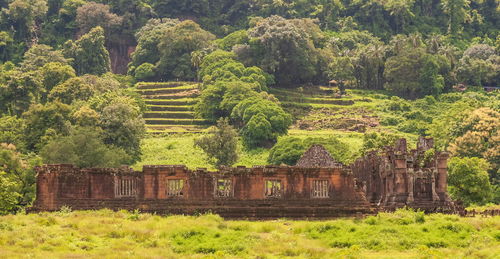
(108, 234)
(164, 84)
(178, 149)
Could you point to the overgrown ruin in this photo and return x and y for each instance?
(386, 180)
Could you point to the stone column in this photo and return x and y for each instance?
(435, 197)
(442, 172)
(410, 186)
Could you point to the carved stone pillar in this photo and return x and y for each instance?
(435, 197)
(410, 186)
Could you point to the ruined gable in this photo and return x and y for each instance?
(317, 156)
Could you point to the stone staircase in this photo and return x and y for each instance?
(171, 107)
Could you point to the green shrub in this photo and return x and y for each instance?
(83, 147)
(220, 144)
(469, 181)
(288, 150)
(145, 72)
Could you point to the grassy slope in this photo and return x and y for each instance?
(107, 234)
(179, 149)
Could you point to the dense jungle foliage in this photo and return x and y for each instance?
(69, 68)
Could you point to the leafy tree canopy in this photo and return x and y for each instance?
(84, 147)
(220, 144)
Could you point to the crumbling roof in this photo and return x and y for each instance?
(316, 156)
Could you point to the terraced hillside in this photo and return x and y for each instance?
(322, 108)
(171, 107)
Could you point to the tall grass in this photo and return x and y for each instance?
(107, 234)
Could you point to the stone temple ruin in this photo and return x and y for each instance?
(317, 187)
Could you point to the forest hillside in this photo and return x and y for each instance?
(244, 82)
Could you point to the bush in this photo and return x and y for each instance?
(11, 131)
(257, 131)
(288, 150)
(17, 178)
(220, 144)
(145, 72)
(8, 196)
(218, 100)
(374, 141)
(468, 180)
(84, 147)
(123, 127)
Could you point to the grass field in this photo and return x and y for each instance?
(107, 234)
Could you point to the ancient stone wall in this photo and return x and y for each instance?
(396, 177)
(392, 178)
(258, 192)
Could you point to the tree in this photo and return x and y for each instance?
(18, 91)
(39, 55)
(72, 90)
(67, 16)
(479, 66)
(414, 73)
(401, 10)
(468, 180)
(148, 39)
(92, 14)
(43, 121)
(238, 37)
(89, 54)
(175, 47)
(7, 48)
(342, 70)
(222, 66)
(27, 14)
(219, 99)
(12, 131)
(328, 12)
(86, 117)
(369, 65)
(17, 179)
(144, 72)
(431, 82)
(287, 150)
(458, 13)
(402, 73)
(374, 141)
(8, 196)
(479, 136)
(123, 127)
(284, 48)
(268, 113)
(458, 107)
(220, 144)
(53, 74)
(84, 147)
(258, 131)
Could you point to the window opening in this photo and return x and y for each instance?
(320, 189)
(175, 187)
(125, 187)
(223, 188)
(273, 189)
